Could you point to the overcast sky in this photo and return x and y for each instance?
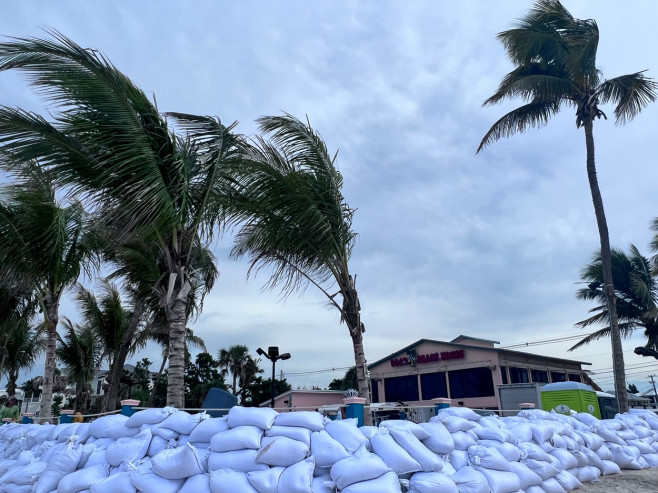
(450, 242)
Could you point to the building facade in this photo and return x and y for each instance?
(467, 370)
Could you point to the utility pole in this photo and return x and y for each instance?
(655, 394)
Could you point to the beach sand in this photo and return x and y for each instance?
(644, 481)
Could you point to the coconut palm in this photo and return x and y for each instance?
(24, 347)
(297, 221)
(81, 351)
(636, 289)
(17, 307)
(555, 67)
(237, 361)
(45, 244)
(109, 142)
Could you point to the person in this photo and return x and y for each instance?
(10, 410)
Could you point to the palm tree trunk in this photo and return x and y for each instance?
(110, 397)
(351, 313)
(606, 263)
(52, 318)
(176, 371)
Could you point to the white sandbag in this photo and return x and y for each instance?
(587, 418)
(111, 426)
(322, 484)
(491, 433)
(182, 422)
(527, 477)
(62, 432)
(404, 425)
(162, 432)
(565, 457)
(151, 416)
(568, 481)
(520, 432)
(462, 412)
(621, 455)
(500, 481)
(541, 431)
(119, 482)
(468, 480)
(326, 450)
(652, 459)
(199, 483)
(453, 423)
(386, 483)
(362, 466)
(610, 467)
(26, 474)
(311, 420)
(282, 451)
(158, 444)
(427, 459)
(229, 481)
(393, 455)
(238, 438)
(641, 445)
(82, 479)
(147, 481)
(432, 482)
(321, 471)
(604, 452)
(66, 461)
(440, 440)
(346, 432)
(487, 457)
(208, 428)
(592, 440)
(183, 440)
(97, 456)
(552, 485)
(587, 474)
(298, 477)
(178, 463)
(296, 433)
(262, 417)
(542, 468)
(238, 460)
(580, 457)
(265, 481)
(459, 459)
(593, 459)
(463, 440)
(608, 435)
(508, 450)
(369, 431)
(129, 449)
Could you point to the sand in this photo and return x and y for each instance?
(644, 481)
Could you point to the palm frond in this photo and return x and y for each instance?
(530, 82)
(630, 92)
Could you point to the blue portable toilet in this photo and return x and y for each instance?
(219, 399)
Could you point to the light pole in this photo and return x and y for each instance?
(273, 355)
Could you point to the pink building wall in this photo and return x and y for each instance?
(307, 400)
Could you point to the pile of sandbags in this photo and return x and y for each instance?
(257, 450)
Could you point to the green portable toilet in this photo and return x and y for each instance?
(565, 397)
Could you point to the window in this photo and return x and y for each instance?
(518, 375)
(433, 385)
(574, 377)
(503, 372)
(540, 376)
(401, 389)
(475, 382)
(557, 376)
(374, 391)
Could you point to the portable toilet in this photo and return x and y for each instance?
(565, 397)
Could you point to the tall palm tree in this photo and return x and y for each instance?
(24, 347)
(296, 220)
(636, 289)
(17, 307)
(555, 58)
(237, 361)
(45, 244)
(109, 142)
(81, 351)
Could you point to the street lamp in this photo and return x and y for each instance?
(273, 355)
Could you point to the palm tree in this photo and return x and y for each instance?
(555, 59)
(16, 311)
(44, 244)
(297, 221)
(81, 351)
(110, 143)
(636, 290)
(237, 361)
(24, 347)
